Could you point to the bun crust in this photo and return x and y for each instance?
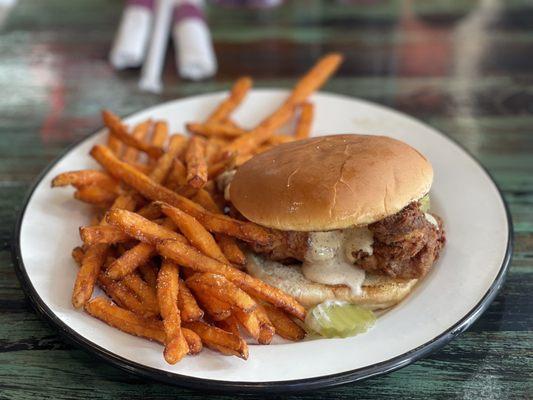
(378, 292)
(330, 182)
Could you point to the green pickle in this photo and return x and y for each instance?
(425, 203)
(339, 319)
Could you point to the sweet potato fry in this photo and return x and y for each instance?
(123, 296)
(237, 95)
(218, 286)
(284, 325)
(86, 177)
(230, 122)
(212, 151)
(189, 257)
(114, 144)
(189, 309)
(194, 231)
(218, 339)
(140, 132)
(303, 128)
(210, 187)
(125, 320)
(118, 130)
(203, 198)
(229, 324)
(275, 140)
(210, 199)
(231, 249)
(214, 307)
(193, 340)
(310, 82)
(130, 260)
(181, 142)
(177, 176)
(167, 293)
(140, 228)
(149, 273)
(126, 201)
(249, 322)
(196, 163)
(165, 162)
(219, 142)
(143, 291)
(242, 158)
(95, 195)
(216, 169)
(102, 234)
(150, 211)
(215, 129)
(143, 168)
(266, 328)
(77, 254)
(148, 188)
(91, 263)
(160, 135)
(263, 148)
(176, 348)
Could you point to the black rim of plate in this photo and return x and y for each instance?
(299, 385)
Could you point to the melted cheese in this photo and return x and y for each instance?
(329, 258)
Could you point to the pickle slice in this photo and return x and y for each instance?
(339, 319)
(425, 203)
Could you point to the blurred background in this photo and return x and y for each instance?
(463, 66)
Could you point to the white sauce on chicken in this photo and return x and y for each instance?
(329, 258)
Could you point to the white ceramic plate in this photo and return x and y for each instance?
(456, 291)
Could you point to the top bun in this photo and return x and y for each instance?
(330, 182)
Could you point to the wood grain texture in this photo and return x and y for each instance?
(55, 79)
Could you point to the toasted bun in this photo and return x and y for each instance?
(378, 292)
(330, 182)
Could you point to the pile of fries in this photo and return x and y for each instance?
(161, 247)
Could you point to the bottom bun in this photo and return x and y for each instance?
(378, 292)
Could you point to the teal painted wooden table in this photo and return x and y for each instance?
(465, 67)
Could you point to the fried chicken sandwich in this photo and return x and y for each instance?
(351, 216)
